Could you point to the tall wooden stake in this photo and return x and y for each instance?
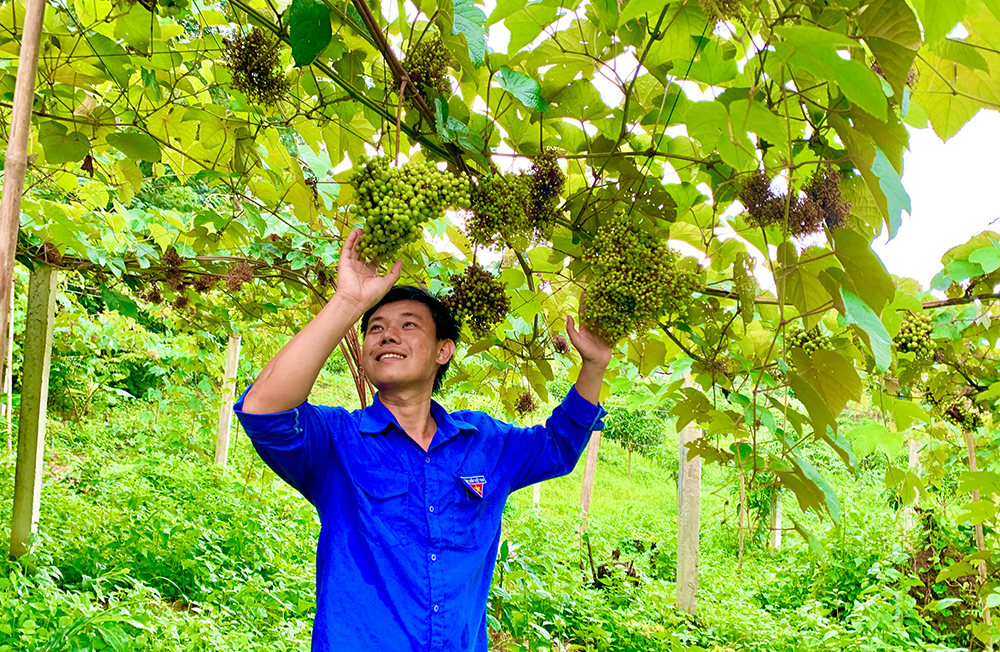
(589, 472)
(688, 523)
(910, 511)
(970, 443)
(226, 410)
(16, 162)
(8, 375)
(38, 327)
(775, 540)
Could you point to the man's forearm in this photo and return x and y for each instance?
(588, 383)
(288, 378)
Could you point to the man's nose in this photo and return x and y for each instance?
(388, 336)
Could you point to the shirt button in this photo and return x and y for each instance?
(427, 460)
(435, 608)
(434, 557)
(432, 508)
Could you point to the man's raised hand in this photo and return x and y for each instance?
(358, 282)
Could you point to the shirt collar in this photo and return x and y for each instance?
(376, 418)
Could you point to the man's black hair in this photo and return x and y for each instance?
(446, 327)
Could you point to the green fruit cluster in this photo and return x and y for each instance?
(915, 335)
(396, 202)
(255, 62)
(964, 415)
(499, 209)
(809, 341)
(427, 65)
(477, 298)
(517, 208)
(634, 281)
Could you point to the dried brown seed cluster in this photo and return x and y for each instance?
(239, 274)
(560, 345)
(819, 206)
(255, 62)
(526, 403)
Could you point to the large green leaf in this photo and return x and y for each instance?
(891, 31)
(523, 87)
(870, 437)
(831, 375)
(60, 145)
(309, 30)
(651, 9)
(815, 51)
(857, 312)
(866, 273)
(897, 199)
(940, 17)
(470, 21)
(830, 499)
(136, 146)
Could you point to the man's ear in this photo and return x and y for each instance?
(446, 349)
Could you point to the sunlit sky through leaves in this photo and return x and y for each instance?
(951, 186)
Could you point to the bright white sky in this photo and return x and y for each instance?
(951, 187)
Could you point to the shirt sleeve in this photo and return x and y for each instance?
(553, 449)
(295, 444)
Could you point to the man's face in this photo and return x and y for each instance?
(401, 349)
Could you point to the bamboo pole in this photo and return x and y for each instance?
(16, 162)
(775, 540)
(8, 376)
(688, 523)
(226, 409)
(589, 473)
(970, 443)
(910, 511)
(38, 328)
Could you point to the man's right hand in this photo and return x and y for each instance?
(288, 378)
(358, 282)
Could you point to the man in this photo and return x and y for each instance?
(409, 496)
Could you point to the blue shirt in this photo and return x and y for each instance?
(408, 537)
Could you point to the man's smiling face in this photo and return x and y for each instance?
(401, 349)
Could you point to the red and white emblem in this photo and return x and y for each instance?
(475, 483)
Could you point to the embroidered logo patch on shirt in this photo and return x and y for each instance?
(475, 482)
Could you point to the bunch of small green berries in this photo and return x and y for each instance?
(477, 298)
(634, 281)
(963, 414)
(915, 335)
(810, 341)
(517, 208)
(427, 64)
(396, 202)
(255, 62)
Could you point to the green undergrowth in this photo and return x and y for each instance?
(144, 545)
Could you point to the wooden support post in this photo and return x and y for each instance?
(16, 161)
(970, 443)
(8, 375)
(910, 512)
(536, 495)
(589, 472)
(228, 392)
(774, 542)
(38, 327)
(688, 523)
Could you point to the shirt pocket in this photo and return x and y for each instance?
(383, 505)
(475, 518)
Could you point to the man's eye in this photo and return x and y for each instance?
(373, 329)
